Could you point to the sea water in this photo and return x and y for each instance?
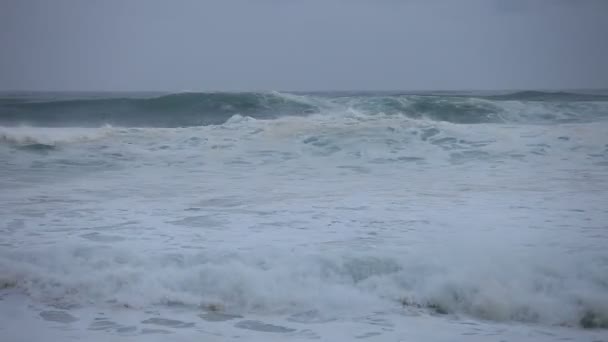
(294, 217)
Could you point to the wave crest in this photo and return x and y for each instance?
(197, 109)
(174, 110)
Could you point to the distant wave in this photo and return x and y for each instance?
(174, 110)
(198, 109)
(531, 95)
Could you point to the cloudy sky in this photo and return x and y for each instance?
(303, 44)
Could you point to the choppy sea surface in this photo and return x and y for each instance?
(304, 216)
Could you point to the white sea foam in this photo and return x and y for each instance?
(508, 288)
(335, 225)
(25, 135)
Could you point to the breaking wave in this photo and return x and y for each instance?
(197, 109)
(291, 284)
(38, 137)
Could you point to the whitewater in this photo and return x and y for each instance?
(304, 216)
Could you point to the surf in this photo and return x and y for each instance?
(199, 109)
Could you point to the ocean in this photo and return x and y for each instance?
(330, 216)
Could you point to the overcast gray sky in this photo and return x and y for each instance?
(303, 44)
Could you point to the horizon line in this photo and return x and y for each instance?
(299, 91)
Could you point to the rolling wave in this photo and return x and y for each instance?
(266, 284)
(175, 110)
(199, 109)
